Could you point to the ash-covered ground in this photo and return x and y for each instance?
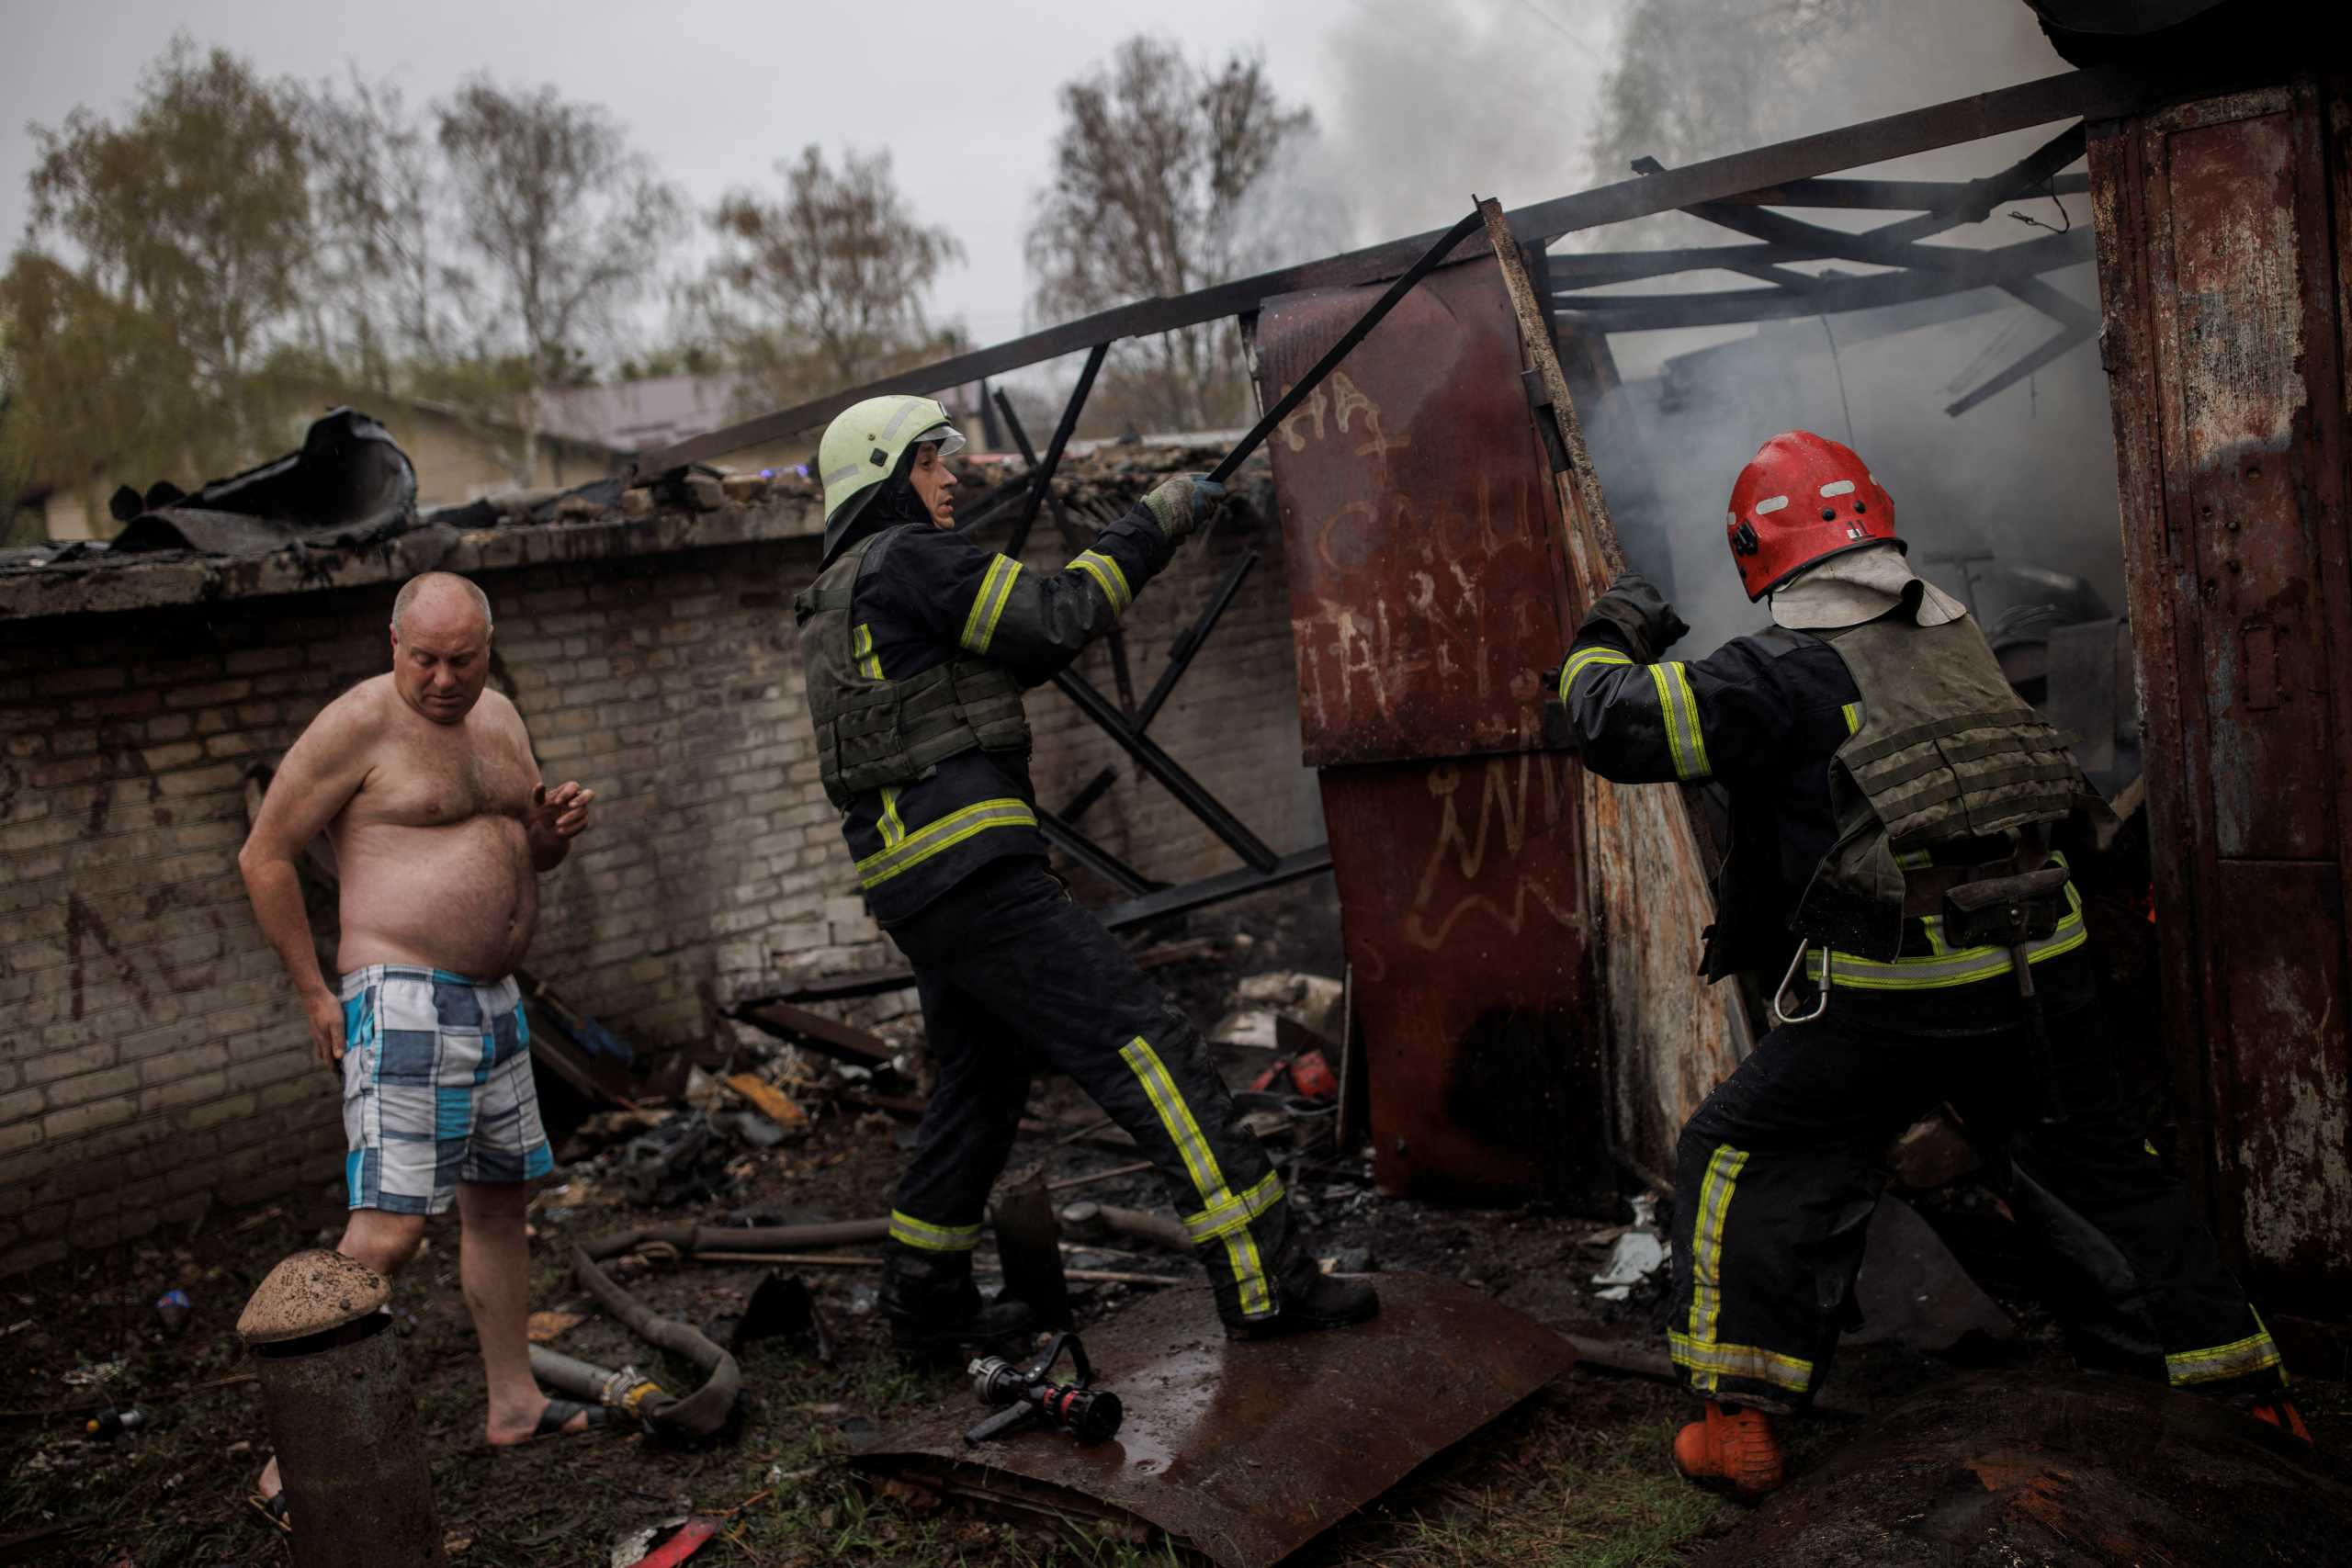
(1576, 1476)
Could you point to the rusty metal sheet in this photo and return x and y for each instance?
(2287, 1085)
(1425, 584)
(2222, 301)
(1426, 598)
(1433, 581)
(1244, 1453)
(1461, 890)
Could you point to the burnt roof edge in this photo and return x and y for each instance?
(78, 588)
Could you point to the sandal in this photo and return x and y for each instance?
(559, 1414)
(273, 1508)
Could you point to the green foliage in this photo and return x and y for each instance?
(164, 346)
(236, 253)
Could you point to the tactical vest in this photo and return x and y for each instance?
(874, 732)
(1946, 752)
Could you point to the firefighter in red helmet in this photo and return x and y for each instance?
(1897, 878)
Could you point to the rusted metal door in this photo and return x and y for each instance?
(1427, 594)
(2222, 289)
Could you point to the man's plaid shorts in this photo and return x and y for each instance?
(436, 1088)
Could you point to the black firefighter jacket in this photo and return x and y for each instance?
(936, 595)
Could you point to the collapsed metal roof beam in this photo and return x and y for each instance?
(2060, 343)
(1896, 244)
(2100, 92)
(1873, 195)
(1650, 312)
(1595, 269)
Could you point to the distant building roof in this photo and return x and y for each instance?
(631, 416)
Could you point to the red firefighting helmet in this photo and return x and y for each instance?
(1802, 498)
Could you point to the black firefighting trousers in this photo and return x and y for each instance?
(1777, 1174)
(1014, 976)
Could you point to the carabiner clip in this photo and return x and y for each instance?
(1780, 1015)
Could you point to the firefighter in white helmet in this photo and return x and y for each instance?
(918, 644)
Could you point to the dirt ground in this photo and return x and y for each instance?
(1576, 1476)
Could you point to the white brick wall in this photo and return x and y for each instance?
(152, 1059)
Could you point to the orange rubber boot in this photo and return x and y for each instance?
(2281, 1413)
(1732, 1446)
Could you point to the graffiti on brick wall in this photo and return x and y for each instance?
(120, 760)
(88, 937)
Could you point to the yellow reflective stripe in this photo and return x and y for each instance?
(869, 663)
(1708, 1362)
(1200, 1163)
(1707, 1239)
(987, 604)
(1236, 1213)
(1588, 658)
(894, 831)
(1107, 576)
(1686, 715)
(1961, 967)
(1853, 712)
(945, 834)
(1250, 1273)
(1934, 926)
(1666, 717)
(2255, 1353)
(913, 1232)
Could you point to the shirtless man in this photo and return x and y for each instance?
(425, 784)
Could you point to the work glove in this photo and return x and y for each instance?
(1183, 504)
(1636, 609)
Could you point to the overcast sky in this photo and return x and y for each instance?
(716, 91)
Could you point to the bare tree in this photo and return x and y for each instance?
(191, 225)
(829, 282)
(1154, 163)
(1695, 78)
(568, 224)
(390, 303)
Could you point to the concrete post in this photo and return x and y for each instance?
(358, 1490)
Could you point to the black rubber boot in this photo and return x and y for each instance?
(935, 1311)
(1310, 1299)
(1000, 1326)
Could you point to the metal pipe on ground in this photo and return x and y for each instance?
(690, 1239)
(342, 1417)
(1093, 1221)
